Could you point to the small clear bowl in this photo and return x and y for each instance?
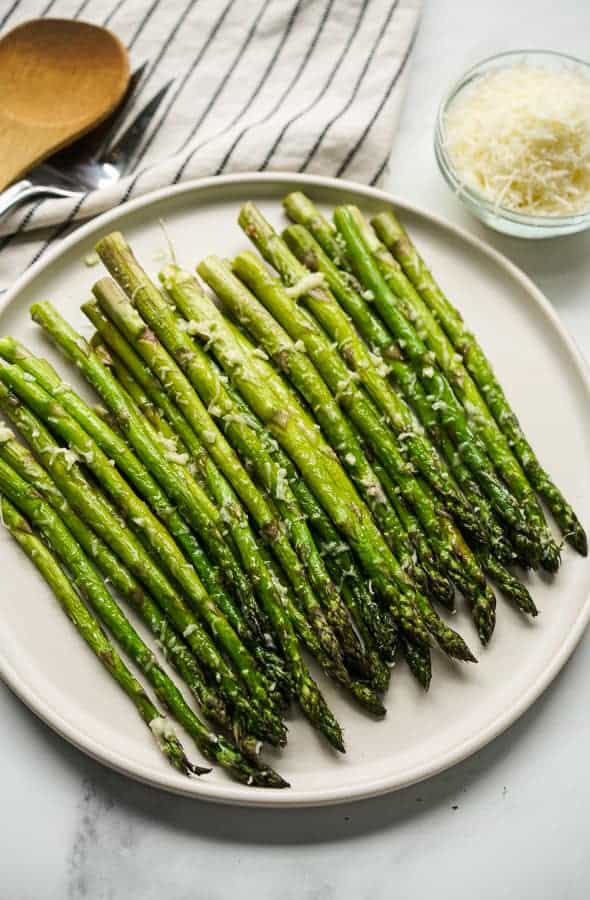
(501, 218)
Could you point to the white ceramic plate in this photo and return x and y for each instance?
(47, 665)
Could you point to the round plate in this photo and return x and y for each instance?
(49, 667)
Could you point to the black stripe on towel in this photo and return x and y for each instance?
(355, 90)
(322, 92)
(379, 109)
(301, 68)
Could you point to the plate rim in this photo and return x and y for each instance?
(232, 793)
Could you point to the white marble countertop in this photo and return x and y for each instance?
(511, 822)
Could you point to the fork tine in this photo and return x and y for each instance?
(121, 153)
(90, 145)
(116, 118)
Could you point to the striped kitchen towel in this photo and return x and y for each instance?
(283, 85)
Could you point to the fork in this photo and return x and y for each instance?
(88, 163)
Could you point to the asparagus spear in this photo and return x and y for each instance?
(353, 593)
(377, 620)
(21, 460)
(500, 452)
(369, 372)
(396, 238)
(334, 670)
(233, 514)
(349, 295)
(361, 692)
(419, 662)
(374, 623)
(309, 250)
(93, 635)
(272, 592)
(510, 586)
(14, 352)
(193, 503)
(313, 389)
(301, 209)
(214, 747)
(440, 586)
(265, 330)
(289, 424)
(451, 413)
(452, 551)
(260, 721)
(120, 261)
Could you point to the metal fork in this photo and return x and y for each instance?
(88, 163)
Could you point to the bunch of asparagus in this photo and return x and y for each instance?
(313, 462)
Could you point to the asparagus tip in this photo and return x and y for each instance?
(551, 557)
(579, 541)
(462, 652)
(192, 769)
(268, 778)
(368, 699)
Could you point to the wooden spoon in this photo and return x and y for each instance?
(59, 79)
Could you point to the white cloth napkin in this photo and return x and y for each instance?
(283, 85)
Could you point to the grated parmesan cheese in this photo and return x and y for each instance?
(181, 459)
(521, 137)
(305, 284)
(162, 730)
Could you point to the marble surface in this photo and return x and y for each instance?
(511, 822)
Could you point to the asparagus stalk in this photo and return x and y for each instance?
(85, 577)
(309, 250)
(500, 452)
(183, 290)
(21, 460)
(271, 591)
(375, 619)
(419, 662)
(137, 379)
(369, 371)
(441, 588)
(289, 424)
(193, 503)
(361, 692)
(238, 525)
(265, 330)
(95, 638)
(14, 352)
(373, 623)
(476, 362)
(260, 721)
(423, 361)
(320, 249)
(452, 551)
(510, 586)
(269, 581)
(120, 261)
(352, 591)
(349, 295)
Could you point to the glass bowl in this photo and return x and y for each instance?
(508, 221)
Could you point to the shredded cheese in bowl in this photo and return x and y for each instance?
(513, 140)
(521, 136)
